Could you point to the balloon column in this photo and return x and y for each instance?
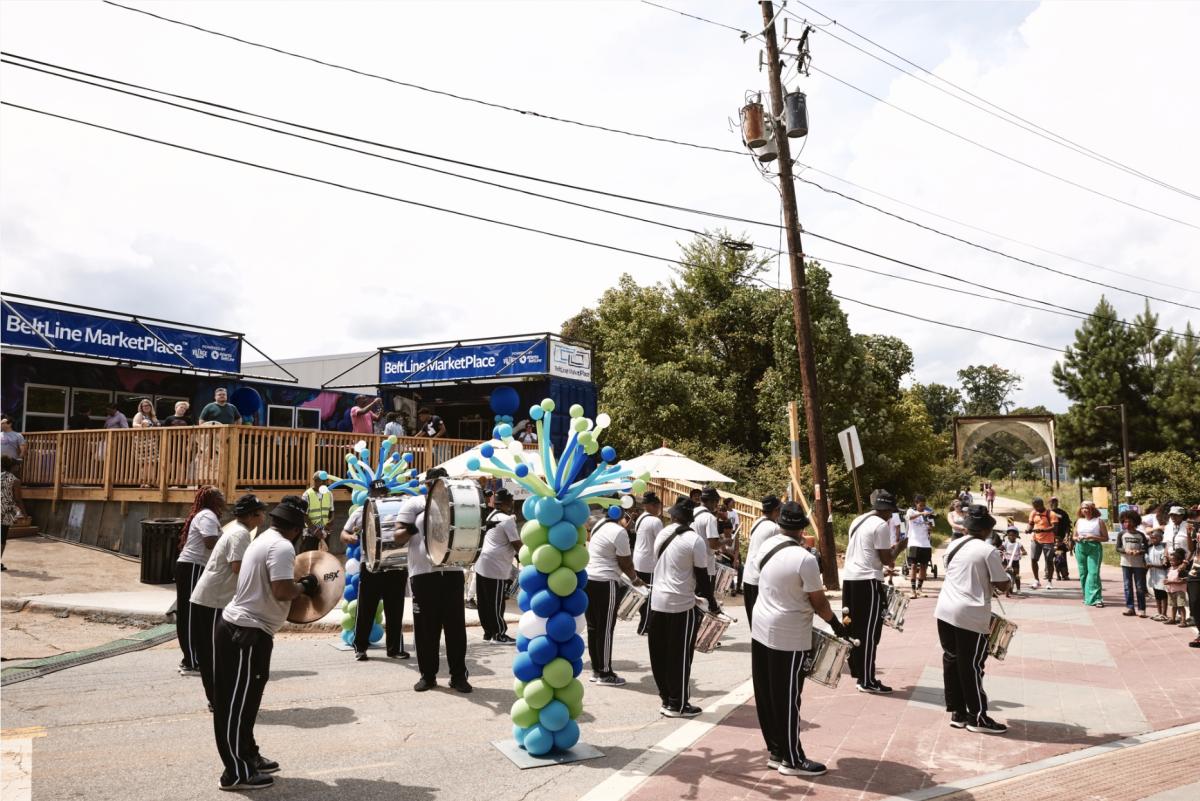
(553, 559)
(395, 470)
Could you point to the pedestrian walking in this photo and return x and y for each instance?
(1041, 527)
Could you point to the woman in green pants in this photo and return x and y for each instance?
(1090, 531)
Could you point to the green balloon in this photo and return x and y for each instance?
(347, 622)
(557, 673)
(534, 534)
(582, 538)
(518, 687)
(576, 558)
(352, 607)
(379, 614)
(525, 556)
(546, 558)
(639, 487)
(562, 582)
(574, 710)
(522, 714)
(571, 694)
(548, 405)
(538, 693)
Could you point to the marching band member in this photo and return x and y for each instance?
(374, 586)
(706, 525)
(680, 574)
(609, 556)
(646, 529)
(243, 640)
(438, 604)
(974, 570)
(868, 550)
(763, 529)
(493, 568)
(789, 593)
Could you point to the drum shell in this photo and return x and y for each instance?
(631, 601)
(1000, 635)
(897, 608)
(382, 515)
(724, 580)
(454, 522)
(828, 659)
(711, 629)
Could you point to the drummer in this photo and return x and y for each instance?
(868, 551)
(438, 603)
(609, 556)
(493, 568)
(243, 639)
(974, 570)
(706, 525)
(763, 529)
(645, 534)
(789, 593)
(386, 585)
(680, 575)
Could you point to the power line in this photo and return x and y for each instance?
(478, 218)
(1032, 125)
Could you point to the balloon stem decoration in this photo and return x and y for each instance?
(553, 559)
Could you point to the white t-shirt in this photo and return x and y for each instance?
(870, 533)
(270, 557)
(895, 526)
(647, 528)
(705, 524)
(496, 557)
(1012, 551)
(783, 613)
(1175, 536)
(413, 512)
(763, 529)
(966, 597)
(608, 541)
(918, 529)
(735, 519)
(674, 585)
(204, 524)
(218, 582)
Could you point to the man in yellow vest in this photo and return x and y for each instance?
(320, 515)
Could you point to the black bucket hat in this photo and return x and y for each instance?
(792, 517)
(291, 510)
(709, 494)
(248, 504)
(682, 512)
(976, 518)
(770, 503)
(502, 494)
(883, 501)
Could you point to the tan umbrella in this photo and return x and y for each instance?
(666, 463)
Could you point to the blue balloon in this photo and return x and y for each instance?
(523, 602)
(539, 740)
(355, 579)
(529, 508)
(524, 667)
(563, 535)
(521, 470)
(504, 430)
(582, 577)
(522, 643)
(572, 649)
(545, 604)
(486, 450)
(473, 463)
(615, 512)
(536, 412)
(504, 400)
(567, 736)
(348, 637)
(554, 715)
(576, 667)
(608, 453)
(576, 513)
(532, 580)
(519, 733)
(376, 633)
(542, 650)
(560, 627)
(549, 511)
(576, 603)
(350, 593)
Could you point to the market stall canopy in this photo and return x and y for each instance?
(666, 463)
(457, 467)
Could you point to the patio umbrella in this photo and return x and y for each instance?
(457, 467)
(666, 463)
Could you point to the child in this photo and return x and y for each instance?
(1011, 558)
(1156, 573)
(1060, 561)
(1176, 587)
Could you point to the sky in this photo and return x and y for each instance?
(91, 217)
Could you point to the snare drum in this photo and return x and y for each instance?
(381, 524)
(826, 659)
(632, 600)
(897, 607)
(711, 629)
(1000, 634)
(724, 580)
(454, 522)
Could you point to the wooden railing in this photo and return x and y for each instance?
(167, 464)
(669, 489)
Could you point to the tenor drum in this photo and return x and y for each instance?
(711, 629)
(454, 522)
(724, 580)
(826, 659)
(632, 600)
(1000, 634)
(381, 524)
(897, 607)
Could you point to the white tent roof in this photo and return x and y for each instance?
(457, 467)
(666, 463)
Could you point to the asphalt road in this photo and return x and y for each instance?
(130, 727)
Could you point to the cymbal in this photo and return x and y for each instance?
(331, 578)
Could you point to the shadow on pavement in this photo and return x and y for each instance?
(303, 718)
(1036, 731)
(358, 789)
(40, 575)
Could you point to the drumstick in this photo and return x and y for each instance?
(845, 615)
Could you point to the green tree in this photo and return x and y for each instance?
(986, 388)
(1176, 399)
(942, 404)
(1165, 475)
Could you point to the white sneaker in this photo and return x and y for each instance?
(1035, 585)
(1049, 585)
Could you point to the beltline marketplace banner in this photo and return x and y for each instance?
(462, 362)
(107, 338)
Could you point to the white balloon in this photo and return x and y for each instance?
(531, 625)
(627, 502)
(323, 490)
(361, 445)
(515, 446)
(581, 625)
(352, 566)
(603, 420)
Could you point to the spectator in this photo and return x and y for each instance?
(12, 444)
(1062, 535)
(199, 534)
(363, 414)
(1011, 559)
(990, 495)
(180, 418)
(80, 421)
(1131, 545)
(146, 445)
(1060, 562)
(429, 424)
(1090, 531)
(1175, 531)
(1156, 572)
(116, 418)
(1041, 526)
(955, 518)
(920, 546)
(318, 516)
(528, 435)
(1176, 586)
(220, 410)
(11, 502)
(394, 428)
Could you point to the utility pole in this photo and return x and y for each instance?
(804, 344)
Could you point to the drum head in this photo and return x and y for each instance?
(331, 582)
(438, 519)
(370, 535)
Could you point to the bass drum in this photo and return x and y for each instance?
(454, 514)
(381, 524)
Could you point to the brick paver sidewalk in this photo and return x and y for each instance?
(1075, 677)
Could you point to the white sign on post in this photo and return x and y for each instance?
(851, 449)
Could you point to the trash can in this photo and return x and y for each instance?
(160, 549)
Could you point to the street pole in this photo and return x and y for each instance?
(1125, 454)
(804, 345)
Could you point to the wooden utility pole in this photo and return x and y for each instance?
(804, 344)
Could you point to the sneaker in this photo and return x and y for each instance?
(669, 711)
(255, 782)
(690, 711)
(1036, 585)
(611, 680)
(773, 762)
(878, 688)
(210, 707)
(264, 765)
(958, 720)
(487, 639)
(1049, 585)
(462, 685)
(360, 656)
(471, 604)
(398, 654)
(986, 725)
(503, 639)
(595, 677)
(424, 684)
(806, 768)
(188, 671)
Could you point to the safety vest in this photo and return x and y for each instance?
(320, 506)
